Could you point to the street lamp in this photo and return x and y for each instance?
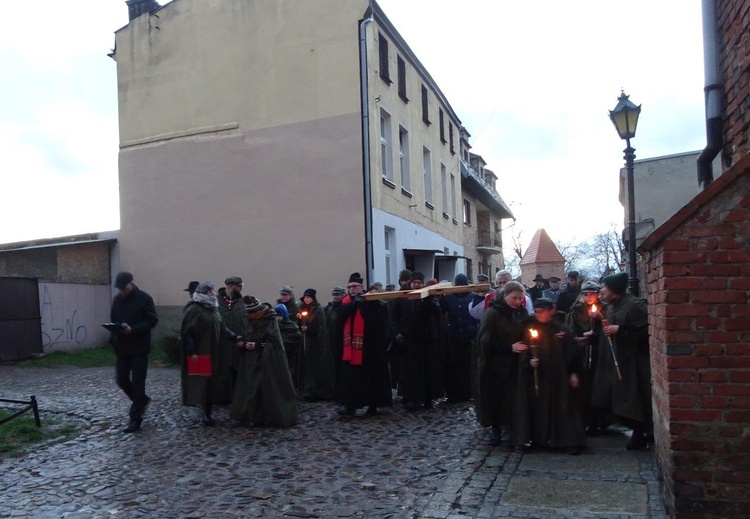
(625, 118)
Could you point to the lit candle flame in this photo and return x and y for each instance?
(304, 314)
(594, 308)
(534, 334)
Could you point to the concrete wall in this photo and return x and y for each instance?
(72, 315)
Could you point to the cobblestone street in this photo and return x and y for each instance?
(432, 464)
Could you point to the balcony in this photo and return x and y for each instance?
(473, 182)
(489, 243)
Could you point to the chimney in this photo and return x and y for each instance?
(138, 7)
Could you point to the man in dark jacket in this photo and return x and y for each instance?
(132, 309)
(569, 294)
(537, 290)
(234, 315)
(462, 328)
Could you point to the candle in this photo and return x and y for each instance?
(533, 345)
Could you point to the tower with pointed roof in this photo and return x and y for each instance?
(541, 257)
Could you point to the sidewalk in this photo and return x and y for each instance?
(433, 464)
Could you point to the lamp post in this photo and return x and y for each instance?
(625, 118)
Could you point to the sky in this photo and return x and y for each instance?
(532, 82)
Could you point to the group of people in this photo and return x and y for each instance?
(545, 367)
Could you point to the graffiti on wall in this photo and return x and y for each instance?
(65, 330)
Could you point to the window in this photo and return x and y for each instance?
(402, 79)
(444, 189)
(386, 153)
(425, 107)
(389, 246)
(441, 117)
(453, 196)
(427, 175)
(383, 54)
(403, 157)
(467, 212)
(450, 138)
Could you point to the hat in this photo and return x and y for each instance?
(482, 278)
(390, 286)
(286, 290)
(281, 310)
(356, 278)
(554, 279)
(204, 287)
(191, 287)
(404, 275)
(539, 277)
(573, 274)
(310, 292)
(337, 291)
(617, 283)
(542, 303)
(252, 304)
(122, 279)
(461, 280)
(416, 275)
(233, 280)
(431, 281)
(590, 286)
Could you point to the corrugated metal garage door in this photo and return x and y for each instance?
(20, 320)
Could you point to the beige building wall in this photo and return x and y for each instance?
(241, 146)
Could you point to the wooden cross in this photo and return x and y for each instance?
(432, 290)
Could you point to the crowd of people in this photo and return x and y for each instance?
(545, 367)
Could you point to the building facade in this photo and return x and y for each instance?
(289, 142)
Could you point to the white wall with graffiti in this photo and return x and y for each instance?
(72, 315)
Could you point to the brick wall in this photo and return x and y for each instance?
(733, 18)
(698, 282)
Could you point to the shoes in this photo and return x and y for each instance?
(575, 451)
(506, 440)
(371, 411)
(132, 426)
(497, 436)
(208, 421)
(592, 431)
(411, 406)
(637, 442)
(346, 411)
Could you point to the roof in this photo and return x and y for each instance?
(78, 239)
(542, 250)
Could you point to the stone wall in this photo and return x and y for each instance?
(698, 282)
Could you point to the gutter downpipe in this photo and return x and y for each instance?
(365, 93)
(713, 94)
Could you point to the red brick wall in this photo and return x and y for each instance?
(698, 283)
(733, 17)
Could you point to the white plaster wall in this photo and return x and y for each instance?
(408, 236)
(72, 316)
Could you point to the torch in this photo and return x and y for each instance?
(595, 311)
(533, 347)
(303, 317)
(605, 323)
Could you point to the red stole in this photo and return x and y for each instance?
(354, 336)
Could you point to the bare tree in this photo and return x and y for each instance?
(574, 254)
(607, 250)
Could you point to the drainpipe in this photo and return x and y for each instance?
(713, 94)
(365, 93)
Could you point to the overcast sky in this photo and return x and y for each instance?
(531, 81)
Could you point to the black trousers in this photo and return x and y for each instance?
(130, 374)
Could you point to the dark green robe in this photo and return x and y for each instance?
(206, 329)
(235, 318)
(629, 398)
(550, 418)
(264, 394)
(291, 336)
(317, 361)
(497, 365)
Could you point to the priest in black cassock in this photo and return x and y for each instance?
(363, 373)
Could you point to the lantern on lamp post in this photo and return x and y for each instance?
(625, 118)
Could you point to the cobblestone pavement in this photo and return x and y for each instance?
(430, 464)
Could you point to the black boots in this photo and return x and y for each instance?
(132, 426)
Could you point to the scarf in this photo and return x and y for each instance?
(207, 301)
(354, 336)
